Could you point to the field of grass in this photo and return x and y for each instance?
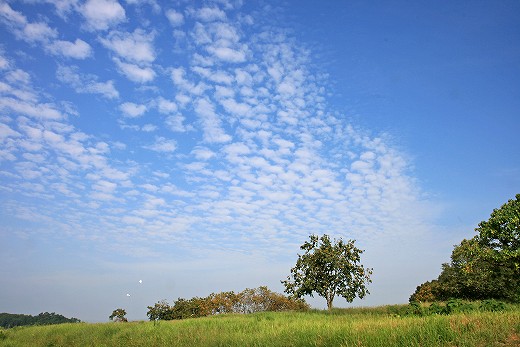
(348, 327)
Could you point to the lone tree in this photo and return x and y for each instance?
(118, 315)
(330, 270)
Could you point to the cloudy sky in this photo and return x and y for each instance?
(194, 145)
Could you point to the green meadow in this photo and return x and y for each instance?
(381, 326)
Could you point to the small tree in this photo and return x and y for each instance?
(118, 315)
(330, 270)
(160, 311)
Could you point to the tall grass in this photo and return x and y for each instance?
(354, 327)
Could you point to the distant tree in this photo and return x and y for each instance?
(330, 270)
(160, 311)
(426, 292)
(218, 303)
(118, 315)
(191, 308)
(247, 301)
(9, 320)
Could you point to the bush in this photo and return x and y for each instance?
(492, 305)
(454, 306)
(414, 308)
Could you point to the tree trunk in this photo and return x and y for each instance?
(330, 298)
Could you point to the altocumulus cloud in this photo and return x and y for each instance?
(224, 140)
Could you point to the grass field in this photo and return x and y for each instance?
(348, 327)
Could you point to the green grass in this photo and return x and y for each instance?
(350, 327)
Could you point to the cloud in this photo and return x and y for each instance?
(135, 47)
(211, 124)
(23, 29)
(35, 110)
(155, 6)
(202, 153)
(102, 14)
(175, 18)
(83, 83)
(132, 110)
(178, 76)
(209, 14)
(163, 145)
(176, 123)
(166, 106)
(248, 153)
(4, 63)
(135, 53)
(42, 33)
(134, 72)
(78, 49)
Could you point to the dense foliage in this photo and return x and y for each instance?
(484, 267)
(329, 270)
(453, 306)
(260, 299)
(10, 320)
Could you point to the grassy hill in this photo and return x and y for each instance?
(347, 327)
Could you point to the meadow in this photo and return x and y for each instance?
(381, 326)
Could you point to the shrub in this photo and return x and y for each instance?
(492, 305)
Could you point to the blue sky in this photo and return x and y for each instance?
(195, 145)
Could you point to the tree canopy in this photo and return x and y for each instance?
(118, 315)
(486, 266)
(330, 270)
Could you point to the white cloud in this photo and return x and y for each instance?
(4, 63)
(78, 49)
(209, 14)
(166, 106)
(40, 110)
(214, 76)
(211, 124)
(176, 18)
(155, 6)
(203, 153)
(178, 76)
(102, 14)
(176, 123)
(105, 186)
(12, 16)
(86, 83)
(135, 53)
(132, 110)
(64, 7)
(136, 47)
(42, 33)
(228, 54)
(149, 128)
(23, 29)
(6, 131)
(135, 73)
(163, 145)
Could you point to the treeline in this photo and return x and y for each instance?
(248, 301)
(484, 267)
(10, 320)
